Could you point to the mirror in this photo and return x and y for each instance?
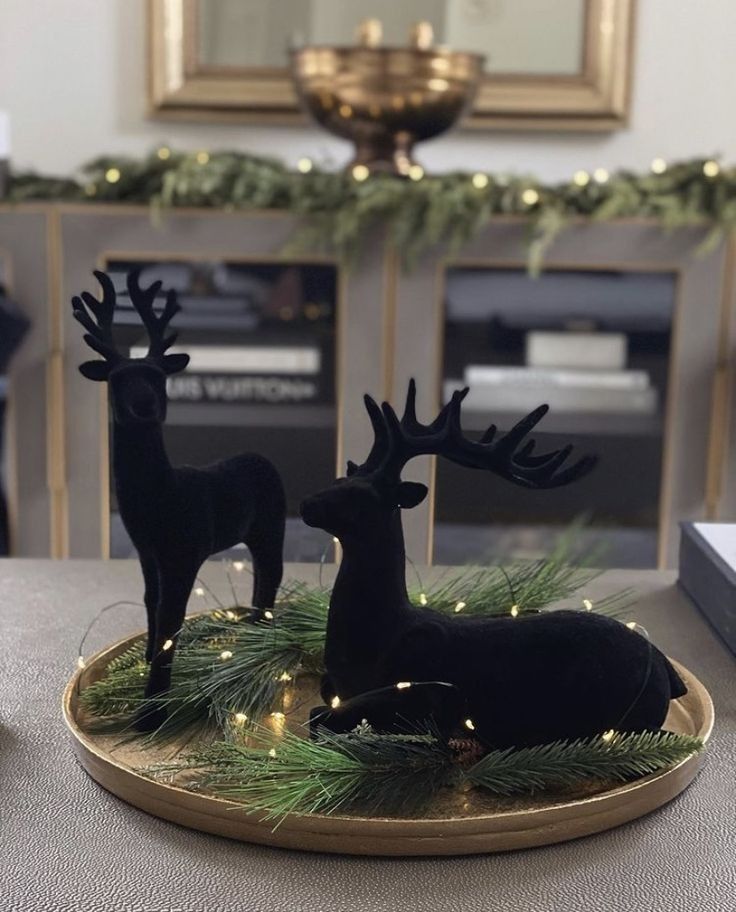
(561, 65)
(516, 36)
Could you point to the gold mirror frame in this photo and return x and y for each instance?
(182, 87)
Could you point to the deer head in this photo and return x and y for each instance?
(375, 488)
(137, 385)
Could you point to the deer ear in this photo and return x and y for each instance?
(411, 494)
(172, 364)
(352, 468)
(95, 370)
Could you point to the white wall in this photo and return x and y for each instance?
(72, 76)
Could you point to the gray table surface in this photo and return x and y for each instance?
(68, 845)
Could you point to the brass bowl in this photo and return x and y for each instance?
(385, 99)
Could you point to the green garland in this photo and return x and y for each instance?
(336, 211)
(400, 774)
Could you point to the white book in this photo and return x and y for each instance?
(246, 359)
(593, 350)
(482, 375)
(560, 399)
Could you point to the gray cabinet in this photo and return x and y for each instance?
(375, 326)
(657, 464)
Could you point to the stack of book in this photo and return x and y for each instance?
(571, 372)
(521, 389)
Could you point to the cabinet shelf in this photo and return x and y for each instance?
(261, 416)
(585, 424)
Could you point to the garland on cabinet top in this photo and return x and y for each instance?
(340, 208)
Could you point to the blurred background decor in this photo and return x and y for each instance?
(386, 99)
(563, 65)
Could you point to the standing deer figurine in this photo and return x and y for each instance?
(176, 517)
(523, 680)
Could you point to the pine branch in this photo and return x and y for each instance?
(382, 774)
(567, 764)
(386, 774)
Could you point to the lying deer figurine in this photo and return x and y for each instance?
(524, 680)
(176, 517)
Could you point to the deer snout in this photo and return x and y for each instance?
(313, 512)
(145, 408)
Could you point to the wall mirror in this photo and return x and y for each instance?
(556, 65)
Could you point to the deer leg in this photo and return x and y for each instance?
(175, 582)
(267, 551)
(150, 598)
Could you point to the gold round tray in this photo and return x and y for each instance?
(460, 823)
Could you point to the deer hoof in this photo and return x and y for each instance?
(149, 718)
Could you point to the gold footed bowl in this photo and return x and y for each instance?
(459, 823)
(385, 99)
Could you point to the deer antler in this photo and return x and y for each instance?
(142, 299)
(396, 442)
(98, 334)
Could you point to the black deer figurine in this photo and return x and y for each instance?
(176, 517)
(523, 680)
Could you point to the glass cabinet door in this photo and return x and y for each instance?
(595, 346)
(261, 339)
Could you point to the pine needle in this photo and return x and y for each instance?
(400, 774)
(376, 773)
(567, 764)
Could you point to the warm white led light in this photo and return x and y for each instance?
(459, 607)
(581, 178)
(514, 611)
(360, 173)
(659, 165)
(402, 685)
(530, 196)
(335, 702)
(469, 724)
(587, 604)
(608, 736)
(167, 645)
(480, 181)
(305, 165)
(423, 599)
(711, 168)
(112, 175)
(225, 655)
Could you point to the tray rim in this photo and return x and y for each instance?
(502, 831)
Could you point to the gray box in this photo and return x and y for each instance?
(709, 580)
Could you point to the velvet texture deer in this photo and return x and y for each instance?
(176, 517)
(523, 680)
